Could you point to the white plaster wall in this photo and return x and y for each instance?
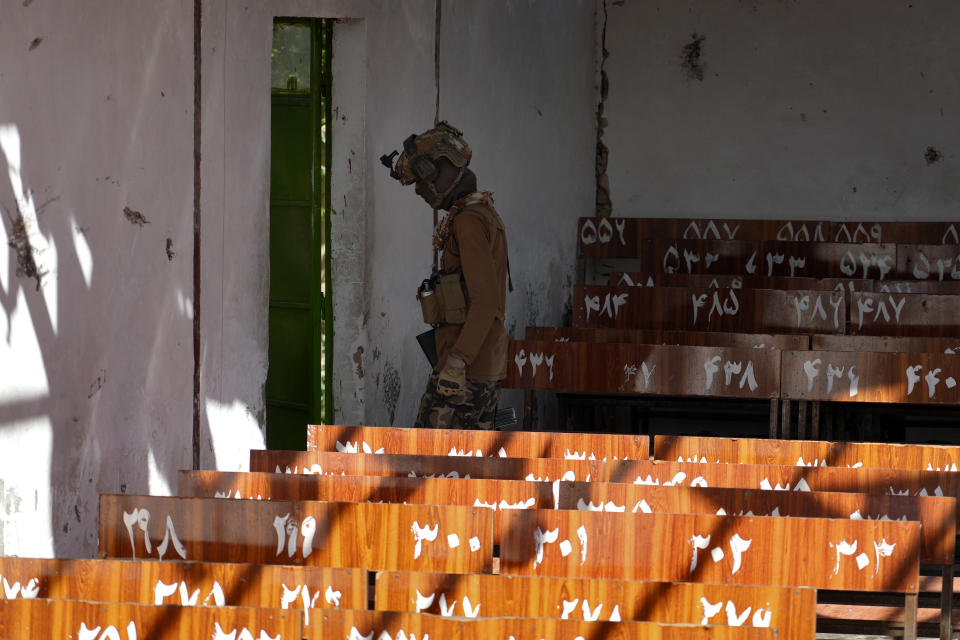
(95, 366)
(517, 77)
(810, 109)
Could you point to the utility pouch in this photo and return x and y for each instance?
(442, 299)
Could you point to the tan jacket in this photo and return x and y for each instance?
(477, 245)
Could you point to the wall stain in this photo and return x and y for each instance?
(97, 384)
(692, 57)
(34, 44)
(135, 217)
(391, 390)
(358, 360)
(170, 251)
(932, 155)
(20, 243)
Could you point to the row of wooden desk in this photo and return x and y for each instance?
(584, 535)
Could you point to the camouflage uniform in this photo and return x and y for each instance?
(476, 409)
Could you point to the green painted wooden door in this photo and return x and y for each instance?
(300, 314)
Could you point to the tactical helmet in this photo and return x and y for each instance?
(416, 162)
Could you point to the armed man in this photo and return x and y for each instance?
(465, 299)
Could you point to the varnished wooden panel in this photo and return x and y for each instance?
(789, 610)
(865, 261)
(905, 314)
(417, 466)
(689, 338)
(46, 619)
(939, 262)
(325, 534)
(612, 368)
(467, 442)
(861, 376)
(495, 495)
(183, 583)
(623, 237)
(937, 516)
(702, 256)
(905, 482)
(937, 287)
(726, 281)
(737, 310)
(890, 344)
(390, 624)
(856, 555)
(874, 455)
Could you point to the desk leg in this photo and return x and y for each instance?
(785, 419)
(802, 420)
(946, 601)
(774, 411)
(910, 617)
(815, 420)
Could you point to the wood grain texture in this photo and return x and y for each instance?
(689, 338)
(905, 314)
(726, 281)
(875, 455)
(861, 376)
(938, 516)
(326, 534)
(466, 442)
(181, 583)
(930, 262)
(353, 624)
(421, 466)
(789, 610)
(735, 310)
(856, 555)
(889, 344)
(906, 482)
(45, 619)
(610, 368)
(495, 495)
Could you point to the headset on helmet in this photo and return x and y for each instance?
(417, 160)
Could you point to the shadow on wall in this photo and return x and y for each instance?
(83, 363)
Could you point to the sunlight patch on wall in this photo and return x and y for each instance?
(84, 255)
(233, 432)
(158, 482)
(23, 376)
(25, 498)
(43, 249)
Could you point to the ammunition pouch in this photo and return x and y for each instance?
(443, 298)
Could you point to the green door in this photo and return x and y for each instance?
(300, 313)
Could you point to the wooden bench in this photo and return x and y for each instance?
(790, 610)
(891, 344)
(937, 515)
(905, 314)
(736, 310)
(496, 495)
(867, 455)
(326, 534)
(185, 583)
(424, 466)
(622, 237)
(725, 281)
(856, 376)
(690, 338)
(45, 619)
(465, 442)
(845, 555)
(611, 368)
(382, 625)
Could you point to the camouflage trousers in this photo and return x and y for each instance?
(476, 409)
